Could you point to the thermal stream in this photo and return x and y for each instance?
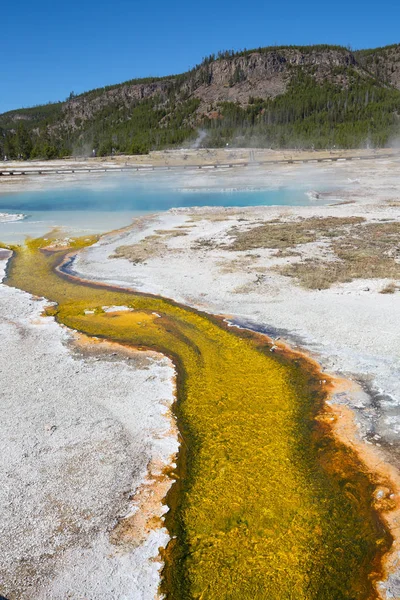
(266, 504)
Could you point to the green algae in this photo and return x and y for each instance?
(266, 504)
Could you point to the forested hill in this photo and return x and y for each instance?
(298, 97)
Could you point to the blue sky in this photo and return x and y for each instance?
(52, 48)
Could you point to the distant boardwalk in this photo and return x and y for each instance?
(4, 172)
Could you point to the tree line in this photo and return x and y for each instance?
(346, 110)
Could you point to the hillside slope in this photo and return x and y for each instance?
(314, 96)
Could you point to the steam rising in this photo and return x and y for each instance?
(198, 142)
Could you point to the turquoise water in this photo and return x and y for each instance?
(93, 208)
(128, 197)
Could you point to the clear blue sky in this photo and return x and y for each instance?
(50, 48)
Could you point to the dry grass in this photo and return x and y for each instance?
(150, 247)
(170, 232)
(214, 217)
(368, 251)
(390, 288)
(239, 265)
(360, 249)
(393, 203)
(204, 244)
(282, 235)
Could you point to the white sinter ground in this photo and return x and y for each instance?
(78, 431)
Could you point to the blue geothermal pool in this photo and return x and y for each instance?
(96, 206)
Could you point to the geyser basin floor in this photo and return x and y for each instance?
(266, 504)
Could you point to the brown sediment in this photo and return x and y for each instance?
(100, 346)
(386, 477)
(133, 529)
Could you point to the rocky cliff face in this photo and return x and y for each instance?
(263, 74)
(82, 108)
(383, 63)
(259, 66)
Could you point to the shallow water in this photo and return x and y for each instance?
(101, 205)
(82, 222)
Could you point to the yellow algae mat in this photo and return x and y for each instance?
(266, 504)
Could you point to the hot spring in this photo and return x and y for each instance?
(99, 204)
